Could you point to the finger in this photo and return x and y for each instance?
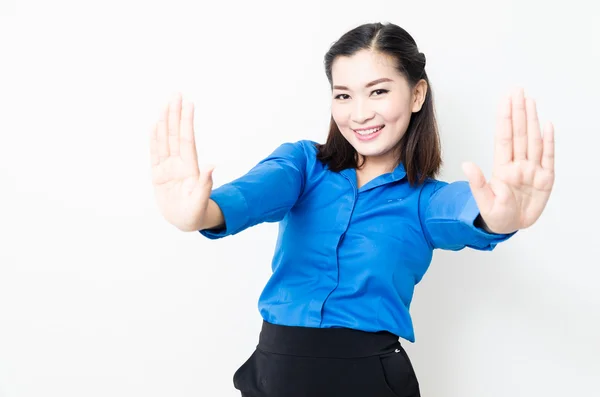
(154, 159)
(503, 148)
(519, 121)
(174, 123)
(534, 136)
(162, 134)
(205, 183)
(206, 175)
(548, 151)
(187, 140)
(483, 194)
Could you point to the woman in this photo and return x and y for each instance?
(359, 217)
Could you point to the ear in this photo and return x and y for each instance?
(418, 95)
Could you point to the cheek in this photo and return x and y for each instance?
(340, 115)
(393, 111)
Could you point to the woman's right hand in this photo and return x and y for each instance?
(181, 190)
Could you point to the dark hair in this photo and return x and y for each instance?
(419, 149)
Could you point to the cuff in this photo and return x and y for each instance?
(483, 239)
(235, 211)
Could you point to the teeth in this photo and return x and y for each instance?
(368, 132)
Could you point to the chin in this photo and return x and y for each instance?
(379, 146)
(371, 151)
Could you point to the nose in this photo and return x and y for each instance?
(361, 112)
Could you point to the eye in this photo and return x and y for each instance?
(381, 91)
(338, 96)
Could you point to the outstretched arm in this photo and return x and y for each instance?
(479, 213)
(264, 194)
(523, 174)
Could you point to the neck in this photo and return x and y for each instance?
(372, 167)
(378, 164)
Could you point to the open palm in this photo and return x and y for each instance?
(181, 190)
(523, 173)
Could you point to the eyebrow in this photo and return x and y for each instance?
(372, 83)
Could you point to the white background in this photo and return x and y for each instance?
(99, 296)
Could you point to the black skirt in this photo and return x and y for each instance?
(327, 362)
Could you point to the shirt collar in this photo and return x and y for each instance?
(396, 175)
(399, 172)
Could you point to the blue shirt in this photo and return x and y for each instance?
(347, 256)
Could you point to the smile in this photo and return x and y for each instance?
(368, 134)
(368, 131)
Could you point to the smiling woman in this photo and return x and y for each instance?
(360, 216)
(383, 108)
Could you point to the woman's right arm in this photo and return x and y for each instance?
(214, 217)
(185, 195)
(264, 194)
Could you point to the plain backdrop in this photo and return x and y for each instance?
(100, 296)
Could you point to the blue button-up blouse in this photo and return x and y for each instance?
(347, 256)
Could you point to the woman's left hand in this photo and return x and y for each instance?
(523, 173)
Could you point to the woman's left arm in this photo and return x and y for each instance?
(479, 213)
(523, 174)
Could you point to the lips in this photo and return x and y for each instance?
(369, 133)
(368, 130)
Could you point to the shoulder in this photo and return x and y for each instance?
(308, 146)
(303, 150)
(443, 190)
(429, 187)
(302, 145)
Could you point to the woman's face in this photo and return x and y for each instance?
(372, 103)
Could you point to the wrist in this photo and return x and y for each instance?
(480, 223)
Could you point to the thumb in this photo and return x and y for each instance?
(482, 192)
(205, 178)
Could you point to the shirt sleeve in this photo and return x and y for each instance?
(265, 194)
(448, 213)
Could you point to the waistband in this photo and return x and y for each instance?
(325, 342)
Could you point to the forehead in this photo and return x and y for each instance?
(363, 67)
